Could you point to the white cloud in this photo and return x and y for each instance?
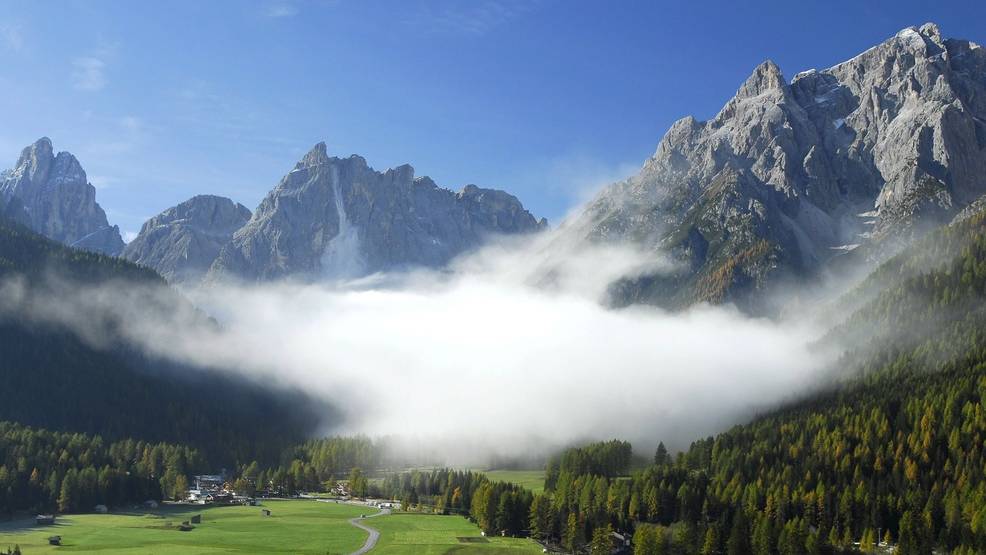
(581, 176)
(513, 347)
(89, 73)
(281, 10)
(102, 181)
(471, 18)
(11, 37)
(131, 123)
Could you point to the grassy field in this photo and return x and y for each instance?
(530, 479)
(437, 535)
(293, 527)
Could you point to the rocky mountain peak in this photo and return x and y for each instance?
(183, 241)
(765, 77)
(339, 218)
(317, 156)
(55, 199)
(35, 160)
(788, 176)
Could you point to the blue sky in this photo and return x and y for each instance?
(546, 99)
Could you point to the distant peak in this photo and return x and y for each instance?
(318, 155)
(767, 76)
(930, 29)
(36, 156)
(925, 33)
(41, 145)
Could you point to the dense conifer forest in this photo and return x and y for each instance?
(64, 383)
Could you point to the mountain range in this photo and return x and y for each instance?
(786, 178)
(329, 217)
(339, 218)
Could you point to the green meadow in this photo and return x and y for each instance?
(406, 533)
(300, 526)
(529, 479)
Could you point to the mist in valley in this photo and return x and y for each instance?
(512, 352)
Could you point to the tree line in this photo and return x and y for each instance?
(45, 471)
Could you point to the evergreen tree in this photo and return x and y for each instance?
(602, 541)
(739, 536)
(644, 540)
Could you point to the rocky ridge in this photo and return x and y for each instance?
(789, 175)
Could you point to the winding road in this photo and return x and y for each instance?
(371, 541)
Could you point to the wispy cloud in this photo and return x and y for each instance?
(281, 9)
(131, 124)
(112, 135)
(11, 37)
(470, 18)
(89, 73)
(102, 181)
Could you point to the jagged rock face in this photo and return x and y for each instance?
(54, 198)
(182, 242)
(338, 218)
(788, 175)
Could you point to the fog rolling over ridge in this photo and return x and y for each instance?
(482, 354)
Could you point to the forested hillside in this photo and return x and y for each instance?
(56, 381)
(894, 452)
(42, 470)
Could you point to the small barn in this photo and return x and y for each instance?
(265, 512)
(45, 520)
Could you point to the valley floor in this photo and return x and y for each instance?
(425, 534)
(294, 526)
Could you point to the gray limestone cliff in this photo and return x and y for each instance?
(333, 218)
(789, 175)
(52, 195)
(182, 242)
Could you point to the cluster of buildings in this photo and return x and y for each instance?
(214, 489)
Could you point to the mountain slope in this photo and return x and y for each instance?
(182, 242)
(337, 217)
(789, 175)
(64, 383)
(56, 200)
(892, 450)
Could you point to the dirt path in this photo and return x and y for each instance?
(371, 541)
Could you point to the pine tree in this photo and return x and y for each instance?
(644, 541)
(602, 541)
(68, 497)
(661, 456)
(867, 542)
(763, 541)
(739, 536)
(711, 544)
(573, 539)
